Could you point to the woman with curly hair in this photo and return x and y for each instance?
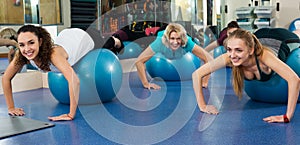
(37, 48)
(250, 60)
(173, 43)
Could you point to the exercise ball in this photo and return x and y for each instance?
(100, 75)
(206, 40)
(274, 90)
(295, 24)
(58, 86)
(219, 51)
(173, 69)
(130, 50)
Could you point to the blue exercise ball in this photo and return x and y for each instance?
(294, 60)
(173, 69)
(108, 75)
(100, 75)
(131, 50)
(295, 24)
(58, 86)
(274, 90)
(219, 51)
(206, 40)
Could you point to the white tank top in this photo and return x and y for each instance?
(76, 42)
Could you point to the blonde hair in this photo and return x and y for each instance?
(8, 33)
(250, 41)
(174, 27)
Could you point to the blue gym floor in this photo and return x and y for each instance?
(168, 116)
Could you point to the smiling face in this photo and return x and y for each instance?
(174, 40)
(29, 45)
(238, 52)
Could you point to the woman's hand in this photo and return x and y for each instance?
(16, 112)
(152, 85)
(277, 119)
(209, 109)
(63, 117)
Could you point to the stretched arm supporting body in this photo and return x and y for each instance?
(205, 57)
(141, 69)
(59, 59)
(7, 77)
(293, 84)
(198, 76)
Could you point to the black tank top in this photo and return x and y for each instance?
(263, 76)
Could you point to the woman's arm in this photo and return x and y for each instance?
(204, 70)
(202, 54)
(141, 69)
(5, 42)
(8, 75)
(211, 46)
(59, 59)
(292, 79)
(205, 57)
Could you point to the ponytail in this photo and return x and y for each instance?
(238, 81)
(250, 41)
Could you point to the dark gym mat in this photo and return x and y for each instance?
(14, 125)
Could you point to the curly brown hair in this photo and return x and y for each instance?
(45, 50)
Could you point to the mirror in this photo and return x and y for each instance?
(44, 12)
(50, 12)
(31, 10)
(11, 12)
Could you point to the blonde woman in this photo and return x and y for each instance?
(249, 60)
(173, 42)
(8, 37)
